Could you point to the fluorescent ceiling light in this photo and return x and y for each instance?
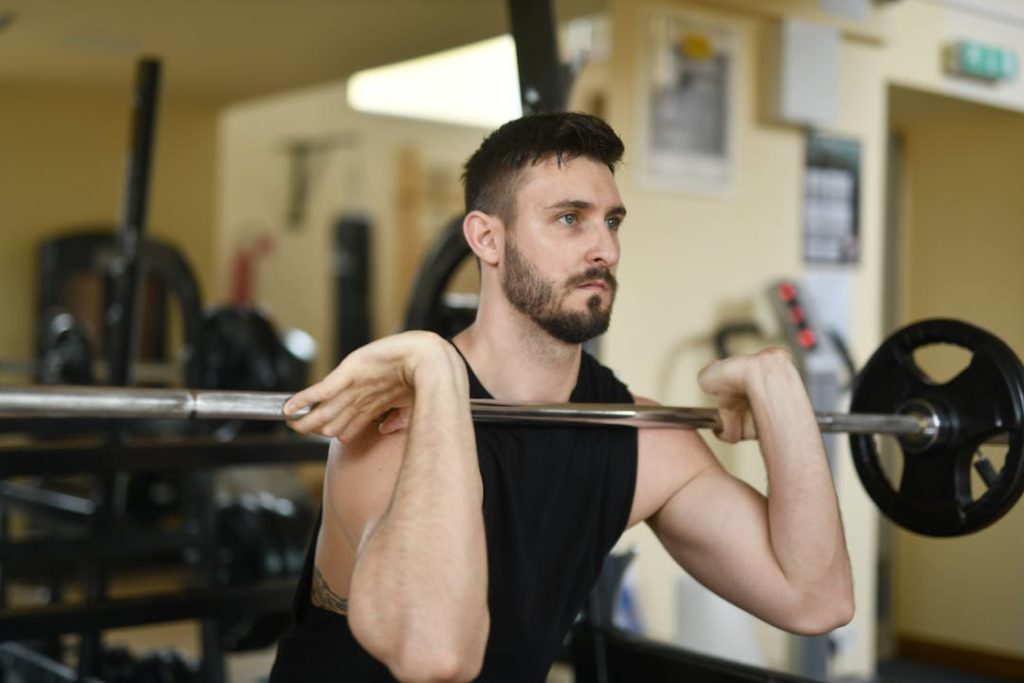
(475, 85)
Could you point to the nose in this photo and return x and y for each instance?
(603, 250)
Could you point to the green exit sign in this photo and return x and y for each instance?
(977, 60)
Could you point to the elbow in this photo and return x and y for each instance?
(436, 656)
(433, 664)
(436, 667)
(822, 616)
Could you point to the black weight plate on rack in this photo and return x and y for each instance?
(986, 398)
(65, 352)
(241, 352)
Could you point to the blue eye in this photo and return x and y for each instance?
(568, 219)
(613, 222)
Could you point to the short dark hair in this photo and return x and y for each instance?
(491, 173)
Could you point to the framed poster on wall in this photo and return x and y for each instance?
(685, 103)
(831, 201)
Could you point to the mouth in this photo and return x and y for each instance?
(593, 281)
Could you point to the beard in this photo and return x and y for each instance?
(541, 300)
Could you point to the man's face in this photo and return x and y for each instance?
(560, 255)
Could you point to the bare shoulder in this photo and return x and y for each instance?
(358, 483)
(667, 460)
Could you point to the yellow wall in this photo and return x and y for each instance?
(365, 175)
(63, 164)
(963, 240)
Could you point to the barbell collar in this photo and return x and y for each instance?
(113, 402)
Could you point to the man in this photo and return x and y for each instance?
(449, 552)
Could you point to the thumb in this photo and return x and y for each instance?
(708, 377)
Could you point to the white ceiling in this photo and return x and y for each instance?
(226, 50)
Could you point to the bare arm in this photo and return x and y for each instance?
(417, 599)
(783, 558)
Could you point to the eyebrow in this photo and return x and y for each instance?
(582, 205)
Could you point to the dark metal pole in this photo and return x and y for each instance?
(122, 320)
(541, 82)
(121, 323)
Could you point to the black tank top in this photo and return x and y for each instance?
(556, 500)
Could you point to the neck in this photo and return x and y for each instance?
(515, 359)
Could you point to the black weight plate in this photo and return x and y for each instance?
(65, 350)
(427, 309)
(256, 538)
(985, 399)
(242, 352)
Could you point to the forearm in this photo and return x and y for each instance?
(805, 529)
(419, 587)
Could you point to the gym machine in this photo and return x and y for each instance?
(243, 554)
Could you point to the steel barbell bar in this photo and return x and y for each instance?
(116, 402)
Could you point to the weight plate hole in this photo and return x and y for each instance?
(987, 464)
(890, 457)
(941, 362)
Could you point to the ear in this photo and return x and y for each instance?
(484, 235)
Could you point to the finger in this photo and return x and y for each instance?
(749, 426)
(358, 414)
(726, 434)
(321, 414)
(722, 376)
(705, 377)
(713, 377)
(296, 402)
(732, 426)
(337, 381)
(354, 426)
(308, 397)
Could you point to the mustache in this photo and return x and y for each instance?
(591, 274)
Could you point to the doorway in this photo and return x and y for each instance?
(955, 232)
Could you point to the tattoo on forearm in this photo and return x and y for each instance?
(323, 597)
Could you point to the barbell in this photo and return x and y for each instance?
(940, 426)
(117, 402)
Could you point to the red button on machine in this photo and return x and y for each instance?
(807, 338)
(787, 292)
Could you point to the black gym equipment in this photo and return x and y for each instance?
(92, 251)
(119, 665)
(243, 351)
(631, 658)
(260, 537)
(65, 352)
(82, 537)
(428, 307)
(122, 316)
(601, 652)
(22, 664)
(229, 594)
(120, 319)
(352, 289)
(983, 401)
(542, 80)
